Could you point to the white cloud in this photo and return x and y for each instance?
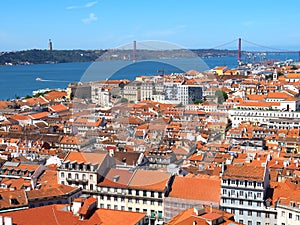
(87, 5)
(72, 7)
(91, 18)
(90, 4)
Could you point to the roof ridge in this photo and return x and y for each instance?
(134, 172)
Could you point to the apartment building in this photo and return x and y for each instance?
(136, 191)
(84, 169)
(244, 194)
(270, 118)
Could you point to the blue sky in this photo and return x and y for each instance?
(101, 24)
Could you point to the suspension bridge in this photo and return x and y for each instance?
(262, 49)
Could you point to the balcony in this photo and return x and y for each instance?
(78, 181)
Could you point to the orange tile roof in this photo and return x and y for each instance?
(255, 173)
(59, 190)
(38, 115)
(203, 189)
(53, 214)
(55, 95)
(86, 157)
(18, 195)
(156, 180)
(58, 108)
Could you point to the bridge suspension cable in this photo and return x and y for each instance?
(224, 44)
(267, 47)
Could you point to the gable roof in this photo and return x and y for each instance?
(86, 157)
(204, 189)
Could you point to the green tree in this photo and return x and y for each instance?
(294, 67)
(198, 101)
(123, 100)
(221, 95)
(27, 96)
(279, 73)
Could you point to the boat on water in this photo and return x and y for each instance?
(38, 79)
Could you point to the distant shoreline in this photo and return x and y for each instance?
(36, 56)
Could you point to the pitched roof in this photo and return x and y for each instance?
(156, 180)
(86, 157)
(54, 214)
(254, 173)
(58, 108)
(204, 189)
(60, 190)
(13, 199)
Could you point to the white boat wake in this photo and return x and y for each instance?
(60, 81)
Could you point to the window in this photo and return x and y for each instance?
(249, 222)
(108, 206)
(250, 203)
(144, 193)
(258, 214)
(232, 201)
(152, 214)
(259, 195)
(152, 194)
(137, 201)
(249, 213)
(259, 204)
(69, 175)
(130, 192)
(241, 202)
(91, 187)
(152, 202)
(144, 201)
(160, 204)
(137, 209)
(123, 208)
(233, 182)
(232, 211)
(160, 214)
(224, 200)
(115, 207)
(297, 217)
(137, 193)
(241, 221)
(290, 215)
(241, 212)
(130, 209)
(267, 215)
(224, 191)
(62, 175)
(241, 193)
(258, 223)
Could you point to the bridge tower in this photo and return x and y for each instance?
(239, 50)
(134, 51)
